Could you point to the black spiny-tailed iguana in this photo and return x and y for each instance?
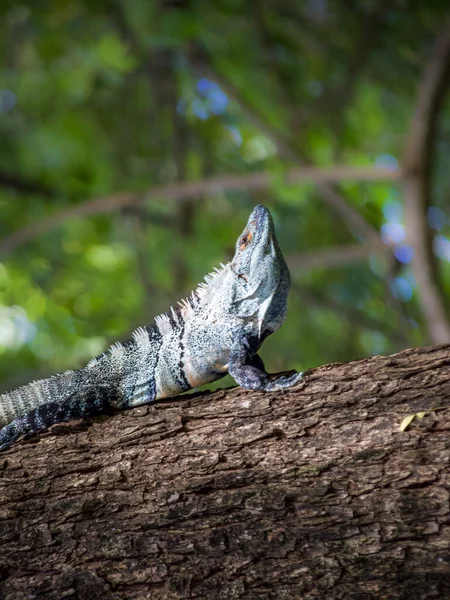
(218, 329)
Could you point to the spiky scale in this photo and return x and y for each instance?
(217, 329)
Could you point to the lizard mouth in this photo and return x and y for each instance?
(238, 275)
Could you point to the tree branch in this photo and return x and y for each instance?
(309, 493)
(336, 256)
(92, 207)
(417, 166)
(194, 189)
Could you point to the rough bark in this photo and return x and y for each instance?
(312, 493)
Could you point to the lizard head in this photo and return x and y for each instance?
(262, 277)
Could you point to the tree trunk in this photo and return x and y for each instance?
(310, 493)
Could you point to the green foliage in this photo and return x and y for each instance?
(98, 98)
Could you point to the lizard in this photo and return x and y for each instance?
(216, 330)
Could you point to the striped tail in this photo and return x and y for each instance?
(19, 402)
(91, 400)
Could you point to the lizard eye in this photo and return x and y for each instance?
(245, 240)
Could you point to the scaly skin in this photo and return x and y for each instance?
(217, 330)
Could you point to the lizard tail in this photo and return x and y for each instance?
(19, 402)
(94, 400)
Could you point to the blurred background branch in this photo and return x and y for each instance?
(418, 168)
(188, 190)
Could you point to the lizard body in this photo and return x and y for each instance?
(217, 330)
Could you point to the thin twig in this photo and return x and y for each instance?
(337, 256)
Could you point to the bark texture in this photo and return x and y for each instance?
(312, 493)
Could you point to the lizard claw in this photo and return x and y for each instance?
(283, 382)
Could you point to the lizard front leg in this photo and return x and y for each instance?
(248, 371)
